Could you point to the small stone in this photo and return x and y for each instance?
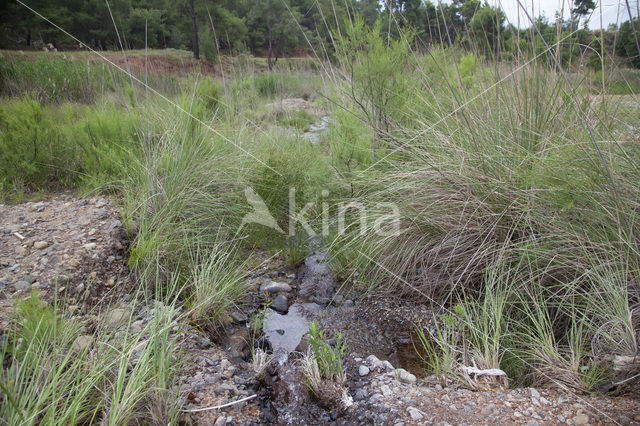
(348, 303)
(22, 286)
(225, 364)
(280, 304)
(534, 392)
(363, 370)
(39, 245)
(487, 410)
(561, 418)
(360, 395)
(82, 342)
(275, 287)
(544, 400)
(386, 390)
(115, 317)
(533, 423)
(373, 360)
(90, 246)
(238, 317)
(137, 326)
(580, 419)
(221, 421)
(404, 376)
(517, 414)
(415, 413)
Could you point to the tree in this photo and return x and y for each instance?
(627, 45)
(194, 30)
(276, 21)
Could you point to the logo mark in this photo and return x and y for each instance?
(260, 214)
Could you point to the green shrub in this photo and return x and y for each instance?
(46, 147)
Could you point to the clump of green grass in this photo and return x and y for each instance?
(510, 175)
(48, 378)
(323, 365)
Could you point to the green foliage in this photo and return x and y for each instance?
(628, 39)
(329, 357)
(208, 46)
(468, 67)
(379, 74)
(210, 92)
(46, 147)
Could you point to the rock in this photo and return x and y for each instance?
(40, 245)
(82, 342)
(404, 376)
(22, 286)
(488, 410)
(224, 364)
(238, 317)
(239, 345)
(373, 360)
(137, 327)
(534, 392)
(275, 287)
(280, 304)
(348, 303)
(386, 390)
(363, 370)
(360, 395)
(90, 246)
(318, 280)
(415, 413)
(533, 423)
(561, 418)
(220, 421)
(580, 419)
(115, 317)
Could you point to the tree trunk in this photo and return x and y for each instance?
(270, 48)
(194, 30)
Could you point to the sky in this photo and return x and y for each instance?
(610, 10)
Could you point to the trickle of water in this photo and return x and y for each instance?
(313, 135)
(285, 331)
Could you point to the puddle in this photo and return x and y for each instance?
(285, 331)
(313, 135)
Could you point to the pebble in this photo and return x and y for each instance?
(487, 410)
(22, 285)
(275, 287)
(220, 421)
(360, 395)
(40, 245)
(534, 392)
(404, 376)
(386, 390)
(363, 370)
(90, 246)
(280, 304)
(348, 303)
(580, 419)
(415, 413)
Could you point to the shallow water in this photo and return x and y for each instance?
(285, 331)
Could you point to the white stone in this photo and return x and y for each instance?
(363, 370)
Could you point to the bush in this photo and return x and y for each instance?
(47, 147)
